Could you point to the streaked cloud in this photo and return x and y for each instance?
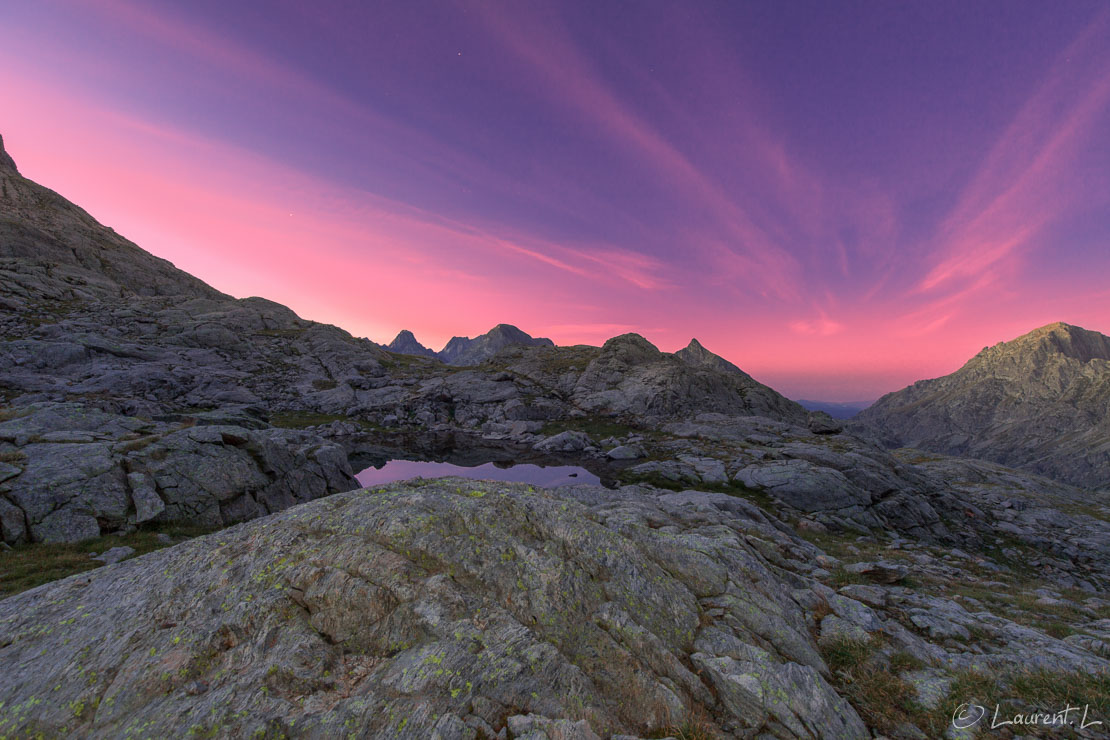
(683, 170)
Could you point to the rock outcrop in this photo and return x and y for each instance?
(463, 609)
(1040, 402)
(76, 472)
(435, 609)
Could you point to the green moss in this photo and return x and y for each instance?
(283, 333)
(27, 566)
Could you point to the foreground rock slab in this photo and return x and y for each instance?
(448, 608)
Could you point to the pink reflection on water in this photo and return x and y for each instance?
(547, 477)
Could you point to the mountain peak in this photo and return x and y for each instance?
(406, 343)
(6, 162)
(1040, 402)
(697, 355)
(1057, 338)
(467, 351)
(507, 330)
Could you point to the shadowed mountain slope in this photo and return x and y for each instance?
(56, 240)
(406, 344)
(1040, 402)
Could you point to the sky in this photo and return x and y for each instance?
(841, 198)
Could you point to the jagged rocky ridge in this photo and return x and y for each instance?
(466, 351)
(1040, 402)
(122, 407)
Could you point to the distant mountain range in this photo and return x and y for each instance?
(467, 351)
(836, 409)
(1040, 402)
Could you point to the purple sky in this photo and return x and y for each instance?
(841, 198)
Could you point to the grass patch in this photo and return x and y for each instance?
(322, 384)
(759, 498)
(286, 333)
(9, 414)
(13, 456)
(845, 654)
(1018, 602)
(400, 361)
(973, 685)
(903, 661)
(1059, 630)
(846, 545)
(883, 698)
(844, 577)
(554, 360)
(1053, 690)
(696, 726)
(27, 566)
(1022, 692)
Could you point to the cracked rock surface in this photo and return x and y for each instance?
(434, 607)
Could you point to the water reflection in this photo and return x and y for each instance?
(538, 475)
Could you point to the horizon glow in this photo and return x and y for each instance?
(839, 199)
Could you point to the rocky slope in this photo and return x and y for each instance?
(1040, 402)
(461, 609)
(110, 358)
(65, 255)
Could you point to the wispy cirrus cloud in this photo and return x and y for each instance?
(821, 326)
(1023, 183)
(566, 70)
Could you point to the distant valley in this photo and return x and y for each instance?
(836, 409)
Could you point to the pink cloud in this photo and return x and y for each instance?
(555, 57)
(1022, 184)
(822, 326)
